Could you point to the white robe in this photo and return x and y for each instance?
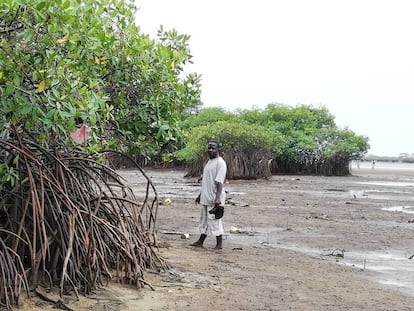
(214, 172)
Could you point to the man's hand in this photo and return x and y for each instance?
(218, 211)
(197, 200)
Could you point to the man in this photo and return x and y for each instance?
(212, 195)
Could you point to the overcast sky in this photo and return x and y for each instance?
(354, 57)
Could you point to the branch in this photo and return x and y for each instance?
(15, 16)
(17, 63)
(8, 30)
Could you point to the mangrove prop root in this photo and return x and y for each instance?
(70, 221)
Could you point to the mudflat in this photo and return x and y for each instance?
(291, 243)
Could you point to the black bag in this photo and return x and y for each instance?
(218, 211)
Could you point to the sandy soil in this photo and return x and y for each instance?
(298, 243)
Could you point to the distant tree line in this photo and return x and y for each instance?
(403, 159)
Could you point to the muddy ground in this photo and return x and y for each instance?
(297, 243)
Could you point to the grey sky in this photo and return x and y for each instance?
(355, 57)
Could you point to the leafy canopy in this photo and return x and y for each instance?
(207, 116)
(68, 62)
(286, 132)
(234, 137)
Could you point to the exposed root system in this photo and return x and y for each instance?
(70, 221)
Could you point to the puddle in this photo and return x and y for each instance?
(387, 192)
(403, 209)
(392, 268)
(388, 183)
(237, 193)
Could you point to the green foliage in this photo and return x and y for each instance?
(287, 133)
(150, 98)
(254, 116)
(300, 118)
(67, 62)
(7, 175)
(234, 137)
(207, 116)
(50, 54)
(311, 131)
(341, 143)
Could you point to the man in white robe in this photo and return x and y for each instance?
(212, 195)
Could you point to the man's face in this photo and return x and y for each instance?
(212, 150)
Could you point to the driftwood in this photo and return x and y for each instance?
(69, 221)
